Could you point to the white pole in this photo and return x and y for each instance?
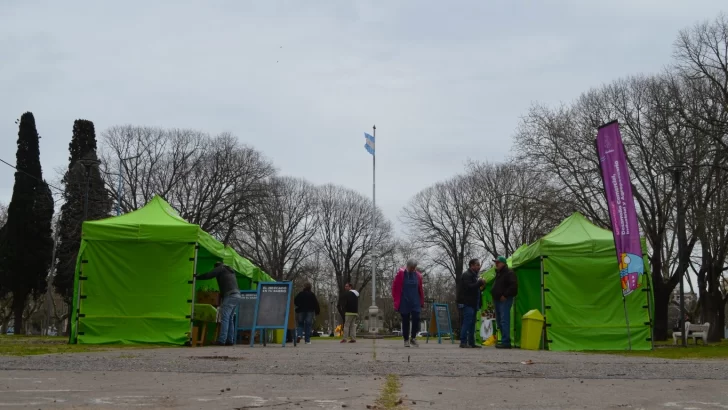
(374, 310)
(374, 221)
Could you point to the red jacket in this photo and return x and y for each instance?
(397, 288)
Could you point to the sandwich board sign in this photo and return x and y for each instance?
(246, 312)
(272, 308)
(440, 323)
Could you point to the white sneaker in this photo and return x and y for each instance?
(406, 343)
(308, 343)
(414, 343)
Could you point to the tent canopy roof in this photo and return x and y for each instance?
(157, 221)
(576, 235)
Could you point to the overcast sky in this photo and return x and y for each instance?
(303, 80)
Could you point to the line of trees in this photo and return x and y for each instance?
(677, 118)
(295, 230)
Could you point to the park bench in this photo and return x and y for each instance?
(698, 332)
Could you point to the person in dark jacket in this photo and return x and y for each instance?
(351, 312)
(468, 302)
(228, 284)
(505, 289)
(307, 307)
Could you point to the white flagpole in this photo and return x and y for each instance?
(374, 310)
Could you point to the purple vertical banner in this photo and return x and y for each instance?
(625, 226)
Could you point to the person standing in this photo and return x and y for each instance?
(351, 312)
(228, 284)
(409, 299)
(468, 303)
(307, 307)
(505, 289)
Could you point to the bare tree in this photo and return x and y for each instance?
(277, 237)
(561, 143)
(514, 206)
(701, 54)
(3, 213)
(214, 182)
(442, 219)
(346, 237)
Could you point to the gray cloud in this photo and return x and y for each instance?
(302, 81)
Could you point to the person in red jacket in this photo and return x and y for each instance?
(409, 299)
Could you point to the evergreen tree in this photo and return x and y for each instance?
(26, 244)
(82, 146)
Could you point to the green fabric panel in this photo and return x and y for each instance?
(72, 318)
(156, 221)
(206, 261)
(136, 293)
(586, 306)
(529, 296)
(241, 265)
(576, 235)
(205, 312)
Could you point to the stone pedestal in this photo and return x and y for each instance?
(373, 319)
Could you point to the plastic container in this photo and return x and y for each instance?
(531, 330)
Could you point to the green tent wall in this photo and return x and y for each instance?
(581, 296)
(135, 273)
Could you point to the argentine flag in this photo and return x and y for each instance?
(369, 143)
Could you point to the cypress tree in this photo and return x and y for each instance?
(26, 244)
(82, 146)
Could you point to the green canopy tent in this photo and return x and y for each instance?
(571, 276)
(134, 276)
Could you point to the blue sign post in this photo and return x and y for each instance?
(272, 308)
(440, 323)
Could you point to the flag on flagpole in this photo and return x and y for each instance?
(369, 143)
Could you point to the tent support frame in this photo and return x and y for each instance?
(543, 303)
(77, 308)
(626, 320)
(194, 291)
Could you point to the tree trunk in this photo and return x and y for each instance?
(18, 308)
(661, 292)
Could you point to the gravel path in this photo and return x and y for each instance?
(329, 375)
(331, 358)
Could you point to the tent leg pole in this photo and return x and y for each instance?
(543, 304)
(194, 291)
(77, 308)
(626, 320)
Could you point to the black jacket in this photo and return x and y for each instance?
(351, 302)
(226, 280)
(306, 301)
(469, 289)
(506, 284)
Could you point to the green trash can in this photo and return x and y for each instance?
(531, 330)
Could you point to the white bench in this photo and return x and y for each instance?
(677, 334)
(698, 332)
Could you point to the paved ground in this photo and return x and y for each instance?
(327, 375)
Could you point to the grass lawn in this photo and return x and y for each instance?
(36, 345)
(666, 350)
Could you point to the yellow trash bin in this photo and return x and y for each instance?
(531, 330)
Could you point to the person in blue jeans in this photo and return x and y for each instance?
(468, 299)
(409, 299)
(505, 289)
(228, 284)
(307, 307)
